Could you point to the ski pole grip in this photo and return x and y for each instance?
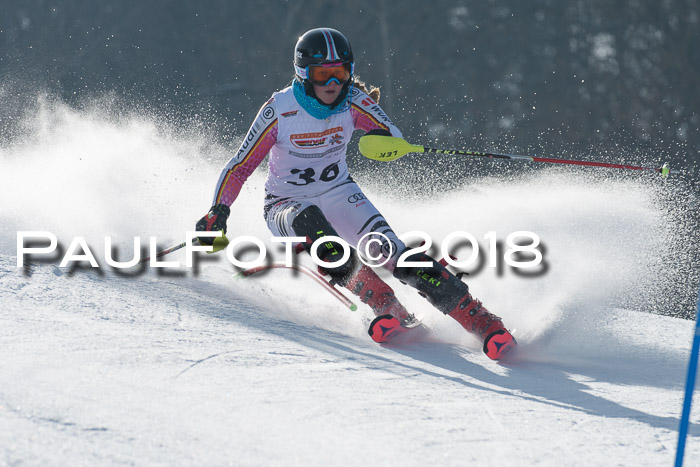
(386, 148)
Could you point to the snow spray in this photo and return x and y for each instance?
(609, 240)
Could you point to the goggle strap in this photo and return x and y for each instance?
(301, 72)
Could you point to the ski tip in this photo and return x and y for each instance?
(383, 328)
(498, 344)
(665, 170)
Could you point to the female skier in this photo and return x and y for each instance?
(305, 128)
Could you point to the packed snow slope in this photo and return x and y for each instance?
(190, 366)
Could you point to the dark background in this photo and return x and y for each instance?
(620, 77)
(615, 81)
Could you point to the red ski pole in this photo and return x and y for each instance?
(389, 148)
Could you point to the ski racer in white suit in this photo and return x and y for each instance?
(305, 128)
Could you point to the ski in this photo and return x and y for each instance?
(386, 328)
(308, 272)
(382, 329)
(498, 344)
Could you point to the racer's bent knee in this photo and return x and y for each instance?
(312, 224)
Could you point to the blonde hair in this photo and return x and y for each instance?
(371, 91)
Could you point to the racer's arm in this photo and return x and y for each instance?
(368, 116)
(260, 138)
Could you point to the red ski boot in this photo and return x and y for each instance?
(392, 317)
(475, 318)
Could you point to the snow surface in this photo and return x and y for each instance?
(194, 367)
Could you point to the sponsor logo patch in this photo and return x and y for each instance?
(290, 114)
(268, 113)
(356, 197)
(310, 143)
(317, 140)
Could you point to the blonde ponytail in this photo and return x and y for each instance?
(373, 91)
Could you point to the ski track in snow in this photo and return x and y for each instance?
(112, 370)
(200, 368)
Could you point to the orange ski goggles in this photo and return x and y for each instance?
(322, 75)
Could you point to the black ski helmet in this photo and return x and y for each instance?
(320, 46)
